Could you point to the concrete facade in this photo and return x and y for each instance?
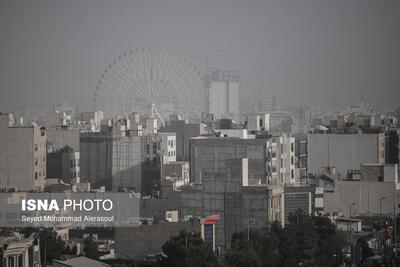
(239, 133)
(59, 138)
(168, 147)
(92, 118)
(379, 173)
(114, 159)
(224, 95)
(258, 122)
(22, 156)
(282, 163)
(366, 195)
(239, 206)
(224, 193)
(23, 252)
(344, 151)
(138, 242)
(212, 154)
(178, 170)
(308, 199)
(64, 164)
(184, 131)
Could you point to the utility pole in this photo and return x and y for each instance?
(395, 224)
(351, 234)
(248, 229)
(380, 219)
(380, 211)
(44, 252)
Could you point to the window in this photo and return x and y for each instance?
(71, 163)
(292, 174)
(291, 147)
(36, 147)
(292, 160)
(36, 175)
(209, 233)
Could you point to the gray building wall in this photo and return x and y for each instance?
(235, 209)
(22, 156)
(138, 242)
(127, 158)
(299, 198)
(213, 154)
(366, 195)
(184, 131)
(96, 159)
(117, 161)
(57, 165)
(222, 194)
(57, 139)
(179, 170)
(156, 208)
(64, 165)
(344, 151)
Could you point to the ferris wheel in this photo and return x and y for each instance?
(151, 81)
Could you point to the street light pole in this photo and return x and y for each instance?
(351, 233)
(380, 210)
(380, 217)
(395, 223)
(248, 229)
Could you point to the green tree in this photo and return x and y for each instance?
(328, 244)
(271, 254)
(366, 251)
(245, 252)
(51, 245)
(305, 240)
(262, 248)
(188, 249)
(91, 249)
(298, 240)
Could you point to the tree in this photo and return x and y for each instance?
(271, 253)
(262, 248)
(91, 249)
(328, 243)
(298, 240)
(366, 251)
(188, 249)
(51, 245)
(305, 240)
(245, 252)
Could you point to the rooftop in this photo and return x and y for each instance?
(80, 262)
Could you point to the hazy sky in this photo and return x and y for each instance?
(303, 52)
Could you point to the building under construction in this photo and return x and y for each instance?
(118, 159)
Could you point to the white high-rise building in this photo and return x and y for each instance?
(224, 94)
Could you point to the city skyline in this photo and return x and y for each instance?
(305, 54)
